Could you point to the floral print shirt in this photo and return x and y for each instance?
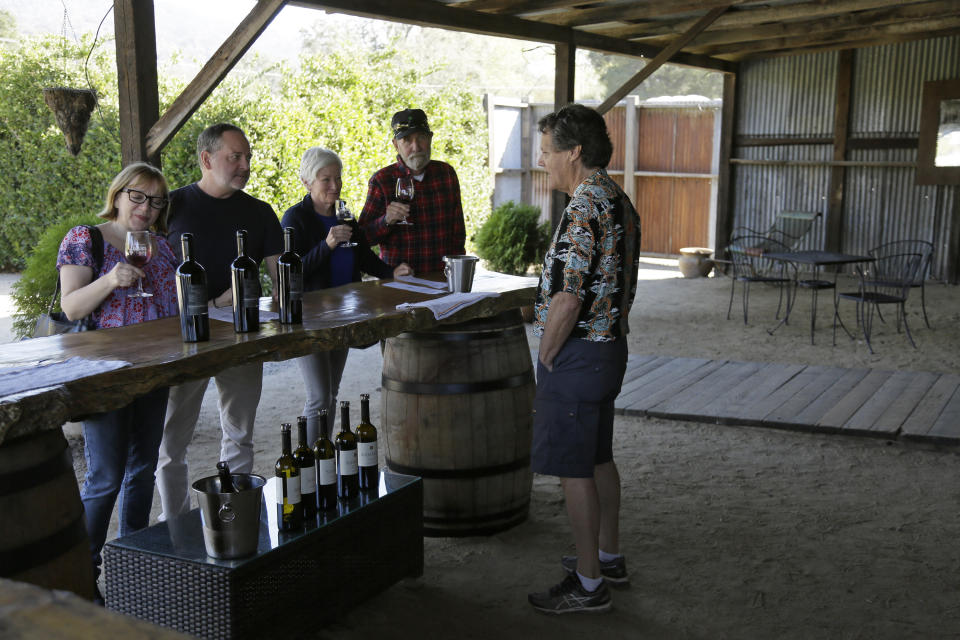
(117, 309)
(595, 256)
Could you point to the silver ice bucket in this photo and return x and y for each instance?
(231, 521)
(459, 272)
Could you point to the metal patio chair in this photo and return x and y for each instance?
(887, 280)
(794, 225)
(925, 249)
(750, 265)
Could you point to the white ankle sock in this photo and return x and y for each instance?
(608, 557)
(589, 584)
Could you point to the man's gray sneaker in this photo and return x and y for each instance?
(613, 572)
(570, 597)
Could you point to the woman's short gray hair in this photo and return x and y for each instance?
(314, 159)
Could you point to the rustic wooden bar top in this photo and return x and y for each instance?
(351, 315)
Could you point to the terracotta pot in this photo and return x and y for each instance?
(695, 262)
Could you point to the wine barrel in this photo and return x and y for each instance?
(458, 412)
(43, 536)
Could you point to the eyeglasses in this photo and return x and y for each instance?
(139, 197)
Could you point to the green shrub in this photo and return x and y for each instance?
(511, 239)
(32, 292)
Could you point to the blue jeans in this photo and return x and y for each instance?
(121, 449)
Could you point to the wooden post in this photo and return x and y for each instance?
(841, 120)
(724, 223)
(528, 154)
(630, 143)
(139, 100)
(566, 57)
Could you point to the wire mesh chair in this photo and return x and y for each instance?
(886, 281)
(750, 265)
(925, 249)
(793, 225)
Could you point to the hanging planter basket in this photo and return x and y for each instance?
(72, 108)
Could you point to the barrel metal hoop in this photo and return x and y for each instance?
(460, 474)
(35, 475)
(451, 388)
(38, 552)
(459, 336)
(480, 519)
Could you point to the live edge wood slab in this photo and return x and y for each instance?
(351, 315)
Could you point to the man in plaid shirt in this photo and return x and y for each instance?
(435, 215)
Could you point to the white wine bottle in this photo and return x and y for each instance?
(367, 448)
(303, 454)
(347, 469)
(326, 456)
(289, 507)
(226, 480)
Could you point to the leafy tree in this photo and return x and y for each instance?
(668, 80)
(8, 24)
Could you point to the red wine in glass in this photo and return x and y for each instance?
(405, 194)
(138, 251)
(345, 217)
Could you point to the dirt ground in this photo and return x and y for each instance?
(729, 532)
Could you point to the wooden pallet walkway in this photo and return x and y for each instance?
(916, 406)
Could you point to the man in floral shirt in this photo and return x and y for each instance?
(429, 227)
(584, 297)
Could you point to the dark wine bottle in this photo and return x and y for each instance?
(192, 295)
(367, 448)
(290, 276)
(289, 506)
(226, 480)
(245, 280)
(326, 456)
(346, 442)
(303, 454)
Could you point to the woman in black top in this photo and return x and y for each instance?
(317, 239)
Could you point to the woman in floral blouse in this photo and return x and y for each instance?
(121, 446)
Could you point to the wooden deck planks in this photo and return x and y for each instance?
(929, 411)
(884, 413)
(850, 403)
(641, 400)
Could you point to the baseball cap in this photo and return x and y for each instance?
(409, 121)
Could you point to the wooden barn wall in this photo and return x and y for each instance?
(794, 98)
(673, 173)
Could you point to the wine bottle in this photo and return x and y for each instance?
(290, 276)
(367, 448)
(346, 442)
(245, 280)
(303, 454)
(289, 507)
(226, 480)
(192, 295)
(326, 455)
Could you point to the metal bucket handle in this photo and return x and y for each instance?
(227, 513)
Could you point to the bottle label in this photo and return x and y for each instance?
(327, 471)
(290, 486)
(348, 462)
(367, 453)
(296, 286)
(251, 291)
(308, 480)
(196, 300)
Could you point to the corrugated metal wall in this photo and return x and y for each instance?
(795, 97)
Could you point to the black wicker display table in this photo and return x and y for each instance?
(163, 574)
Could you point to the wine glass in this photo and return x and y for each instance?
(345, 217)
(405, 194)
(138, 251)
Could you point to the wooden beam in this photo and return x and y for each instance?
(430, 13)
(842, 44)
(662, 57)
(852, 143)
(563, 94)
(138, 96)
(833, 220)
(212, 73)
(725, 191)
(747, 17)
(820, 37)
(859, 20)
(643, 10)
